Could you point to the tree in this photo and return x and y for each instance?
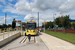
(49, 25)
(63, 21)
(42, 25)
(73, 24)
(1, 26)
(13, 23)
(4, 25)
(58, 22)
(9, 25)
(66, 23)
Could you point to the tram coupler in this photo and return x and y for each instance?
(29, 37)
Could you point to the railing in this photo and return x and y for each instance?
(66, 30)
(5, 34)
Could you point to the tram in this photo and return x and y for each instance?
(31, 29)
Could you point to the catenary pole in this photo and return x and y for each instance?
(38, 22)
(5, 19)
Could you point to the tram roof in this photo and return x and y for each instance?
(30, 21)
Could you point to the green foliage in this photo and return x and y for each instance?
(58, 22)
(67, 23)
(3, 26)
(73, 24)
(13, 24)
(9, 25)
(42, 25)
(49, 25)
(63, 21)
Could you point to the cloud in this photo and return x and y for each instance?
(69, 5)
(43, 16)
(2, 1)
(2, 19)
(46, 8)
(48, 16)
(1, 6)
(22, 5)
(39, 5)
(47, 4)
(10, 0)
(35, 18)
(31, 16)
(10, 8)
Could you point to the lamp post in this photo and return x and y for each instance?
(21, 23)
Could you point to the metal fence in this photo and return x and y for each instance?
(7, 33)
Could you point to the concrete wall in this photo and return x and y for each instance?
(23, 33)
(5, 41)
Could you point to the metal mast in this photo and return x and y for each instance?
(5, 20)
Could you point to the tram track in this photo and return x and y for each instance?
(25, 39)
(22, 39)
(24, 44)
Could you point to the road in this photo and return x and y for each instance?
(19, 45)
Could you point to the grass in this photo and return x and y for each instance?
(65, 36)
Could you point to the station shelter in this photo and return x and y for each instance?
(23, 25)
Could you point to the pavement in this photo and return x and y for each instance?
(18, 45)
(54, 43)
(43, 42)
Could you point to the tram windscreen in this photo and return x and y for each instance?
(31, 25)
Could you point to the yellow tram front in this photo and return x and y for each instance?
(31, 28)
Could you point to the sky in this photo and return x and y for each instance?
(29, 8)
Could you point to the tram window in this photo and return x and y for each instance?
(31, 25)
